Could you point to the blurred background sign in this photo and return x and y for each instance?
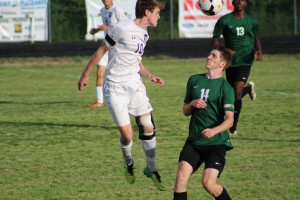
(94, 19)
(23, 20)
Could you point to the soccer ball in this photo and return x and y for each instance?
(211, 7)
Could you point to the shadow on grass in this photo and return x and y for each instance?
(264, 140)
(50, 124)
(37, 103)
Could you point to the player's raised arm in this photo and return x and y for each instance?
(258, 52)
(155, 79)
(84, 79)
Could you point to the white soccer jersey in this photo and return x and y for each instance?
(111, 16)
(126, 42)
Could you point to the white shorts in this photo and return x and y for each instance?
(124, 99)
(104, 60)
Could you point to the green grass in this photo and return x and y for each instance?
(53, 147)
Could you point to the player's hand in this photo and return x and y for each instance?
(199, 103)
(103, 27)
(83, 81)
(231, 52)
(258, 55)
(156, 79)
(94, 31)
(208, 133)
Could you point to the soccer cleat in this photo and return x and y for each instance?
(96, 104)
(155, 177)
(129, 174)
(252, 92)
(233, 133)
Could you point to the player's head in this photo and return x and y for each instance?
(149, 7)
(225, 55)
(107, 3)
(239, 4)
(219, 57)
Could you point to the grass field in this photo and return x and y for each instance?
(53, 147)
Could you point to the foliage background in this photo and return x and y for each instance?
(68, 19)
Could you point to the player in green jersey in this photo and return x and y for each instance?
(240, 32)
(209, 101)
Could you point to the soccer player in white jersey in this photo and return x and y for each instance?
(124, 92)
(111, 15)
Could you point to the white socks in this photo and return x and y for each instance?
(99, 93)
(126, 150)
(149, 147)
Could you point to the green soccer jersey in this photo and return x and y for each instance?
(220, 98)
(239, 35)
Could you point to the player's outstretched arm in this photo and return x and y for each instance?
(100, 28)
(155, 79)
(258, 52)
(84, 79)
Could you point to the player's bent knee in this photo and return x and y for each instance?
(146, 126)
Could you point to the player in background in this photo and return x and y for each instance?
(240, 32)
(209, 101)
(111, 15)
(124, 92)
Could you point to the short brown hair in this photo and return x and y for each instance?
(143, 5)
(225, 54)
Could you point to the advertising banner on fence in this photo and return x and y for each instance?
(193, 23)
(94, 19)
(23, 20)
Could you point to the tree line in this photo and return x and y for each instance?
(68, 19)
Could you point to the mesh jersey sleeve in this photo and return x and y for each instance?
(229, 97)
(188, 94)
(218, 29)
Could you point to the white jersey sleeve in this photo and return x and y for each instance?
(112, 16)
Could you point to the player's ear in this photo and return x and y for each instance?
(223, 64)
(147, 12)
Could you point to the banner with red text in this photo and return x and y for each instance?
(193, 23)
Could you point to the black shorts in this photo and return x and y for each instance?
(212, 156)
(234, 74)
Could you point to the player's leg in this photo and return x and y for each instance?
(117, 100)
(147, 137)
(237, 77)
(141, 108)
(101, 69)
(185, 170)
(189, 162)
(250, 89)
(146, 126)
(126, 142)
(214, 165)
(100, 74)
(209, 181)
(238, 90)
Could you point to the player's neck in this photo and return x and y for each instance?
(239, 14)
(141, 22)
(213, 74)
(108, 6)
